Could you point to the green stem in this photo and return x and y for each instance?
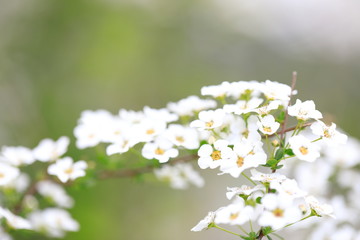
(225, 230)
(290, 224)
(248, 178)
(316, 139)
(278, 236)
(243, 230)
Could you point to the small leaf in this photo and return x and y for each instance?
(289, 152)
(279, 154)
(281, 117)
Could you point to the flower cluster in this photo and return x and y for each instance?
(240, 127)
(18, 190)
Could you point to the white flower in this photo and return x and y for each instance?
(237, 89)
(240, 130)
(243, 190)
(209, 119)
(304, 149)
(266, 109)
(213, 157)
(247, 155)
(328, 133)
(335, 154)
(267, 125)
(288, 188)
(148, 129)
(161, 150)
(190, 105)
(13, 220)
(16, 156)
(159, 114)
(276, 91)
(304, 110)
(234, 214)
(319, 209)
(205, 223)
(216, 90)
(65, 169)
(91, 128)
(50, 150)
(279, 212)
(183, 136)
(53, 221)
(241, 107)
(179, 175)
(20, 183)
(55, 192)
(7, 173)
(266, 178)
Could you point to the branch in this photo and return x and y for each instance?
(134, 172)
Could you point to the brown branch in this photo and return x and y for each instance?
(136, 171)
(293, 83)
(288, 130)
(30, 191)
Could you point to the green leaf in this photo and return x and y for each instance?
(281, 117)
(267, 230)
(271, 163)
(268, 237)
(279, 154)
(258, 200)
(289, 152)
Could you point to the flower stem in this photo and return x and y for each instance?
(248, 178)
(225, 230)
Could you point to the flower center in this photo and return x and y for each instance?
(216, 155)
(234, 216)
(327, 134)
(69, 170)
(267, 129)
(2, 175)
(150, 131)
(159, 151)
(303, 150)
(278, 212)
(209, 124)
(180, 139)
(240, 161)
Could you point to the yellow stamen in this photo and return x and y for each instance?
(209, 124)
(150, 131)
(234, 216)
(180, 139)
(278, 212)
(240, 161)
(216, 155)
(303, 150)
(267, 129)
(159, 151)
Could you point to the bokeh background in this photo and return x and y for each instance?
(58, 58)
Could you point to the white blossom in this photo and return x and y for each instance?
(65, 169)
(304, 110)
(17, 156)
(209, 119)
(304, 149)
(54, 222)
(50, 150)
(267, 125)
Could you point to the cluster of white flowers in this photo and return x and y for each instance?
(244, 126)
(15, 181)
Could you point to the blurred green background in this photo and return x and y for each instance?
(58, 58)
